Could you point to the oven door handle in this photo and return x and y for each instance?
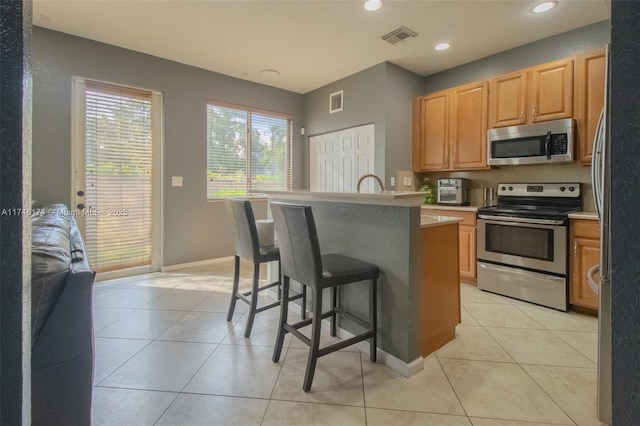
(521, 220)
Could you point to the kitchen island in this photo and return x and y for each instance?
(418, 289)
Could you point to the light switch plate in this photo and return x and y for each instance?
(176, 180)
(406, 181)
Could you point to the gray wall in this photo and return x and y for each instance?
(380, 95)
(539, 52)
(194, 229)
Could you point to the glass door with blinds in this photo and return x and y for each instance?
(116, 153)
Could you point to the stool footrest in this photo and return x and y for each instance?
(265, 287)
(343, 344)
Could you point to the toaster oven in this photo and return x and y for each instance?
(454, 191)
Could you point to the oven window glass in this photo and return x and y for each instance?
(521, 147)
(534, 243)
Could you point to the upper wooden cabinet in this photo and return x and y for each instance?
(540, 93)
(469, 126)
(431, 143)
(508, 99)
(450, 129)
(589, 100)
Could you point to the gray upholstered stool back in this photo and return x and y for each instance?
(298, 241)
(245, 233)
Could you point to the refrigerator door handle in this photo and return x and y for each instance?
(593, 284)
(596, 166)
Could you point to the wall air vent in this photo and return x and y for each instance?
(335, 102)
(399, 35)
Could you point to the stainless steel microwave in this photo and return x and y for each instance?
(538, 143)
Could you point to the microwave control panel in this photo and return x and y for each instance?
(559, 144)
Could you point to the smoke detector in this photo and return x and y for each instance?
(399, 35)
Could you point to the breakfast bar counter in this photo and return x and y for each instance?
(418, 289)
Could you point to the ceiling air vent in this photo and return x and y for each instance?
(399, 35)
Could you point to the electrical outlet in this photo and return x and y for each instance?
(393, 181)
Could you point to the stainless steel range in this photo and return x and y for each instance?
(523, 242)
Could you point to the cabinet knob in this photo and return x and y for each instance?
(522, 115)
(575, 249)
(533, 113)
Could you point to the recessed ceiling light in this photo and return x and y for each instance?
(373, 5)
(544, 6)
(442, 46)
(269, 74)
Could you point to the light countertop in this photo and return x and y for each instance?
(584, 215)
(388, 198)
(454, 208)
(427, 221)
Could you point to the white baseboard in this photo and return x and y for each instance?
(397, 365)
(206, 262)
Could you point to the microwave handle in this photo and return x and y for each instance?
(547, 145)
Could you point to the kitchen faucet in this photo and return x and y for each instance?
(363, 177)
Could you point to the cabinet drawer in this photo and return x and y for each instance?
(469, 218)
(585, 228)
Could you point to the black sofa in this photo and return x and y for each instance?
(62, 349)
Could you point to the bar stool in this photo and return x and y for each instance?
(247, 246)
(302, 261)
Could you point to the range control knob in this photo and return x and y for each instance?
(562, 189)
(503, 188)
(571, 188)
(511, 188)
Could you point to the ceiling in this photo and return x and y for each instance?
(312, 43)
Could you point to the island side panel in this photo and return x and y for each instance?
(439, 296)
(387, 236)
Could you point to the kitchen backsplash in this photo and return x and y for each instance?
(521, 173)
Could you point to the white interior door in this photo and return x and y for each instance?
(338, 159)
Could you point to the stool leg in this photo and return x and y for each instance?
(234, 291)
(315, 341)
(303, 307)
(280, 281)
(284, 311)
(254, 300)
(334, 303)
(373, 319)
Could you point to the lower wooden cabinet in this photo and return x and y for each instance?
(467, 240)
(438, 296)
(585, 253)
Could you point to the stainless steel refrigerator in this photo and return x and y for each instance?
(601, 184)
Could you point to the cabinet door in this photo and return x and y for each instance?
(469, 126)
(508, 100)
(434, 131)
(585, 246)
(467, 237)
(586, 253)
(551, 95)
(589, 100)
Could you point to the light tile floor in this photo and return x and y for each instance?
(165, 355)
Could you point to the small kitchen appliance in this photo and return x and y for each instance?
(538, 143)
(454, 191)
(522, 243)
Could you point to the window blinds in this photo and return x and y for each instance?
(246, 152)
(118, 160)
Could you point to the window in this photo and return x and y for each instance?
(247, 152)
